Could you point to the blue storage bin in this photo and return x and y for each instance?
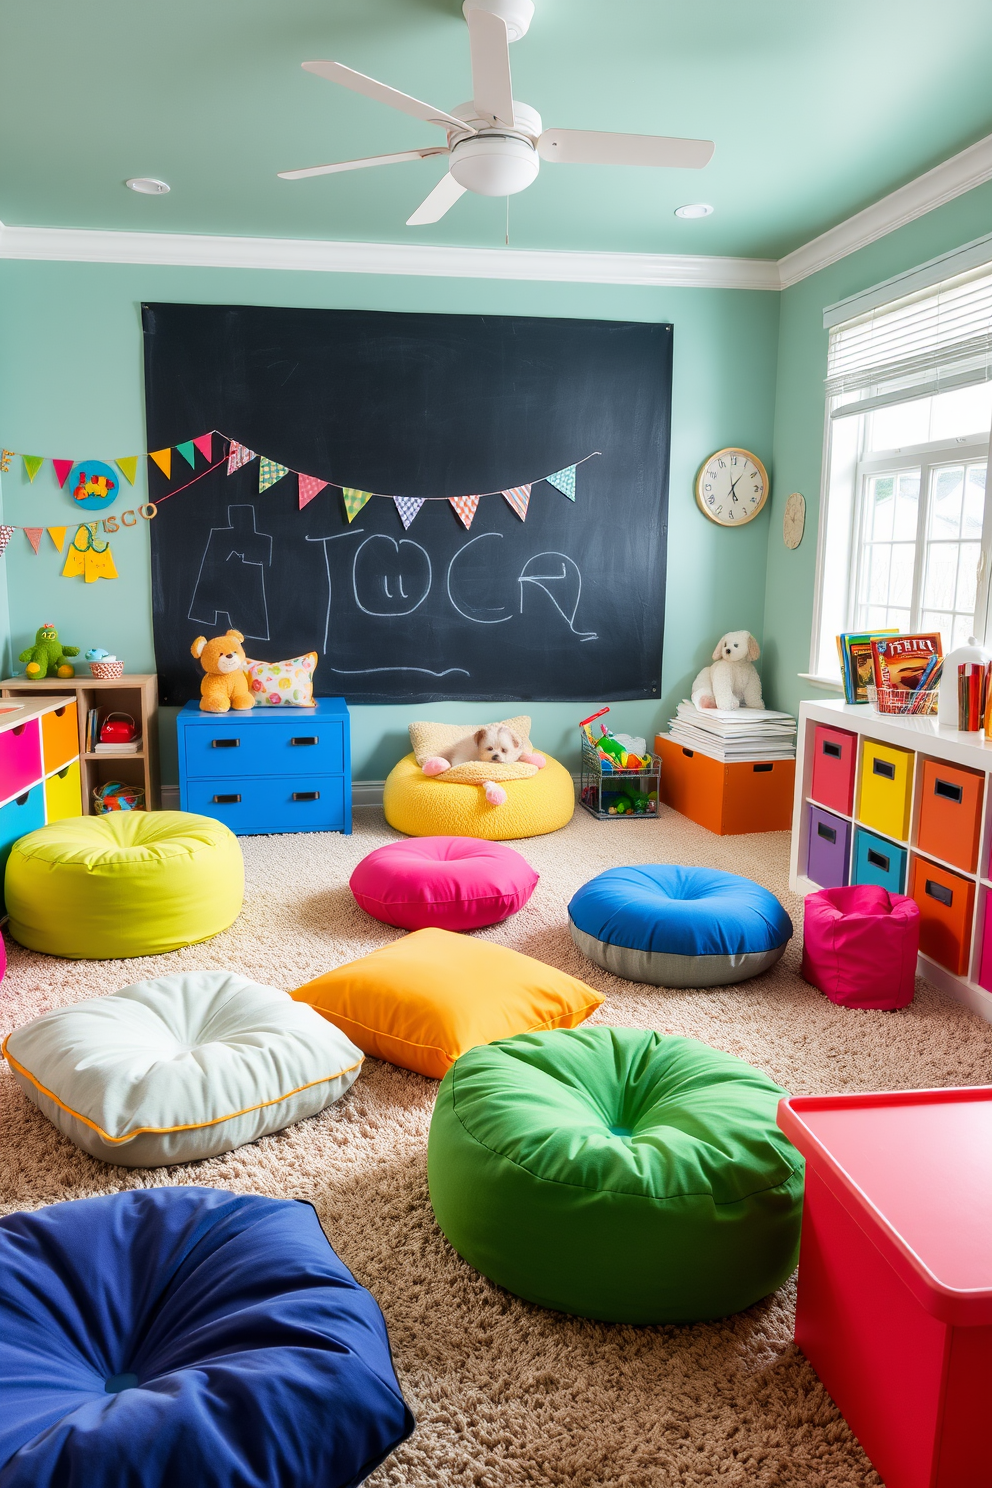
(879, 861)
(25, 813)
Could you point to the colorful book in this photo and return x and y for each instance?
(901, 661)
(854, 649)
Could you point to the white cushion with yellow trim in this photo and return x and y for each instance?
(430, 739)
(180, 1068)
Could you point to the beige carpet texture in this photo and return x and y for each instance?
(507, 1394)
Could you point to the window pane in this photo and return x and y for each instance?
(900, 424)
(943, 622)
(945, 501)
(974, 501)
(878, 574)
(967, 577)
(881, 502)
(941, 576)
(966, 410)
(907, 504)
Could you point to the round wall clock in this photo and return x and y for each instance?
(731, 487)
(794, 520)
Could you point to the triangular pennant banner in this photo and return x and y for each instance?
(163, 459)
(465, 507)
(186, 450)
(408, 507)
(270, 471)
(354, 501)
(33, 535)
(519, 498)
(32, 464)
(62, 468)
(238, 455)
(310, 487)
(128, 467)
(563, 481)
(57, 534)
(6, 533)
(205, 444)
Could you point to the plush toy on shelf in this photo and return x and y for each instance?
(732, 681)
(225, 681)
(48, 657)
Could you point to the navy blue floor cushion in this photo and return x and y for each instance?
(188, 1338)
(678, 927)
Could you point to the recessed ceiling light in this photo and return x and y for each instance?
(695, 209)
(149, 186)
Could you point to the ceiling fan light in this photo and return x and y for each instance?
(517, 14)
(494, 164)
(694, 210)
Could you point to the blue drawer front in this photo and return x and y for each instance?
(248, 746)
(259, 804)
(17, 818)
(879, 861)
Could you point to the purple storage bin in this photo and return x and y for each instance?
(828, 858)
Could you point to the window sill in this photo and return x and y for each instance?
(827, 684)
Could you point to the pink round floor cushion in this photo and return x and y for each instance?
(454, 883)
(860, 945)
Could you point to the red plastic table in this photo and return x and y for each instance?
(894, 1309)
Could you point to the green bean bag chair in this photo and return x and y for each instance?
(616, 1174)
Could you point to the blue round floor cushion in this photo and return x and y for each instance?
(172, 1336)
(678, 927)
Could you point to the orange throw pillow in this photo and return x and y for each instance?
(424, 1000)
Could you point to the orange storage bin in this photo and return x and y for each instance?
(835, 756)
(59, 737)
(946, 903)
(746, 796)
(950, 813)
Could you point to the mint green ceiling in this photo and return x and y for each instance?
(817, 109)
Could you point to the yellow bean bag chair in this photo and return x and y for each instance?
(131, 883)
(424, 807)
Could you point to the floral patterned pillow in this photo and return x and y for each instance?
(283, 684)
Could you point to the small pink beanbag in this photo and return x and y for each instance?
(453, 883)
(860, 945)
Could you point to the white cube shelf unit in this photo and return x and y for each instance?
(927, 740)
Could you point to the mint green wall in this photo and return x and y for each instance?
(71, 385)
(799, 415)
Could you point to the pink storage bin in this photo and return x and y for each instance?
(860, 945)
(455, 883)
(20, 758)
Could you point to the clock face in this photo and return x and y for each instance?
(732, 487)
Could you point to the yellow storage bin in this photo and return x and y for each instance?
(885, 794)
(63, 794)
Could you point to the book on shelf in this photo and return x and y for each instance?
(854, 653)
(131, 747)
(902, 661)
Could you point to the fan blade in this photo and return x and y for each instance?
(432, 209)
(336, 72)
(493, 94)
(590, 147)
(348, 165)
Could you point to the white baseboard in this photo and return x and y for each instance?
(170, 797)
(363, 793)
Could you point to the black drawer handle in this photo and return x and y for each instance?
(878, 860)
(939, 892)
(19, 729)
(306, 795)
(688, 753)
(830, 833)
(312, 739)
(23, 800)
(225, 743)
(60, 712)
(64, 773)
(883, 768)
(226, 800)
(829, 747)
(762, 769)
(949, 791)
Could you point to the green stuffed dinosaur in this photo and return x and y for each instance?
(47, 657)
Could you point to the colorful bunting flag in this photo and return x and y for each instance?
(519, 498)
(354, 501)
(57, 534)
(6, 533)
(270, 471)
(62, 468)
(33, 535)
(186, 450)
(32, 464)
(128, 467)
(310, 487)
(163, 459)
(408, 507)
(465, 507)
(238, 455)
(205, 444)
(563, 481)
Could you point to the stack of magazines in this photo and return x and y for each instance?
(737, 735)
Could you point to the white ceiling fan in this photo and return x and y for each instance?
(495, 144)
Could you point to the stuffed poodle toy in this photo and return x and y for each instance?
(732, 680)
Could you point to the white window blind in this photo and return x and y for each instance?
(926, 343)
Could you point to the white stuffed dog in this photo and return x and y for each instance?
(494, 744)
(732, 681)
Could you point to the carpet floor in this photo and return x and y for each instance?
(505, 1393)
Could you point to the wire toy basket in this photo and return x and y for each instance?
(607, 791)
(901, 700)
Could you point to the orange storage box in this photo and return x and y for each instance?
(746, 796)
(950, 813)
(835, 756)
(946, 903)
(59, 737)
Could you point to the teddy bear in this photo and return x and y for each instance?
(225, 682)
(47, 657)
(732, 681)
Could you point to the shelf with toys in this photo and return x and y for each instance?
(618, 776)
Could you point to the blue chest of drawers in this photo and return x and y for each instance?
(270, 769)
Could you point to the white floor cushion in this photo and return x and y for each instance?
(180, 1068)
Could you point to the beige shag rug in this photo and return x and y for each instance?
(506, 1394)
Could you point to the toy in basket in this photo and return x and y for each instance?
(116, 796)
(103, 666)
(618, 777)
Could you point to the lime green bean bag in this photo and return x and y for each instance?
(131, 883)
(616, 1174)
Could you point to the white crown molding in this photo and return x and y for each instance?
(660, 270)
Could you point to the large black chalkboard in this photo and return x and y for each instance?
(566, 605)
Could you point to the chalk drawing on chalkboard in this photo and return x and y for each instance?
(481, 614)
(569, 581)
(231, 582)
(390, 579)
(332, 537)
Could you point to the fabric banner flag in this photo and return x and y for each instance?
(205, 444)
(563, 481)
(163, 459)
(62, 468)
(465, 507)
(519, 498)
(57, 534)
(128, 467)
(6, 533)
(310, 487)
(270, 471)
(186, 450)
(33, 535)
(32, 464)
(238, 455)
(354, 500)
(408, 507)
